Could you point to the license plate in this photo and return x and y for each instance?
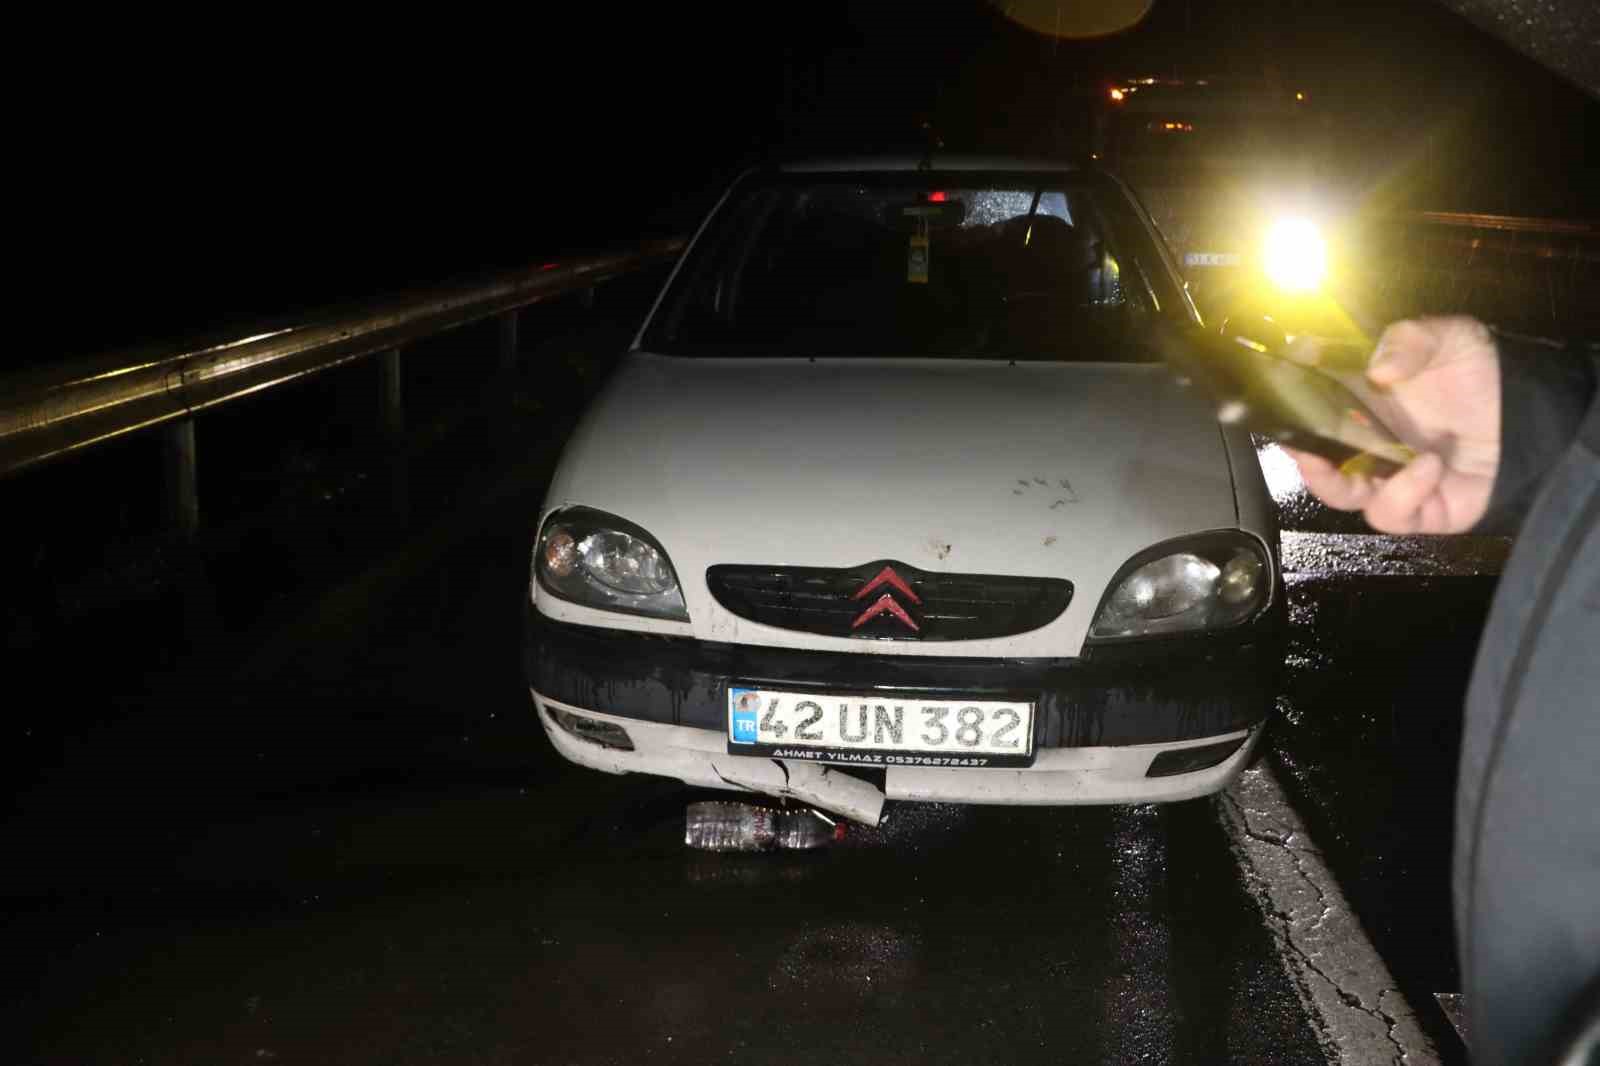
(875, 730)
(1211, 259)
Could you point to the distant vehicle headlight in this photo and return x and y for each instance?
(600, 560)
(1295, 257)
(1210, 581)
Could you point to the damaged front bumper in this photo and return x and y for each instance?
(1058, 777)
(1101, 720)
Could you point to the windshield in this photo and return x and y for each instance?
(918, 264)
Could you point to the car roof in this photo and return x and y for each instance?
(941, 161)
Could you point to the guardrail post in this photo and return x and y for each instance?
(508, 339)
(183, 497)
(393, 413)
(392, 409)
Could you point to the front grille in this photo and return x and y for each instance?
(952, 606)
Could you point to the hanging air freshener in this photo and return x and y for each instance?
(917, 256)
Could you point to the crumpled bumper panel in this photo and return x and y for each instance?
(1183, 690)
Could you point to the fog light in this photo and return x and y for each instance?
(1188, 760)
(1295, 258)
(605, 734)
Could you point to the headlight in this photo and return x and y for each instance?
(1295, 256)
(1205, 582)
(600, 560)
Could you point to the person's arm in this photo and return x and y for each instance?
(1545, 392)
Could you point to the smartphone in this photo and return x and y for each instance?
(1320, 409)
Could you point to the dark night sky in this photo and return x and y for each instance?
(297, 163)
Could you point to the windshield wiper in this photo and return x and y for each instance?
(1033, 209)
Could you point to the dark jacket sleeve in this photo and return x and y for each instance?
(1545, 391)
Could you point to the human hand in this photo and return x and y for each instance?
(1437, 387)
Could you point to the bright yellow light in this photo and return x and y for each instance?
(1295, 257)
(1118, 95)
(1299, 96)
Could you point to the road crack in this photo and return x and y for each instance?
(1301, 933)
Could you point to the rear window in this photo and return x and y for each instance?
(917, 264)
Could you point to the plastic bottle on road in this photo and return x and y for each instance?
(724, 826)
(802, 830)
(717, 826)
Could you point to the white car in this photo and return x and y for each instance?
(889, 500)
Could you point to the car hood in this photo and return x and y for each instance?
(1035, 469)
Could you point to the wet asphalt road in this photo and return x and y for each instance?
(951, 936)
(336, 834)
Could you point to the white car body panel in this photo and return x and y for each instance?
(1060, 470)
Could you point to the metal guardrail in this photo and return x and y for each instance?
(56, 411)
(47, 414)
(1531, 275)
(1509, 223)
